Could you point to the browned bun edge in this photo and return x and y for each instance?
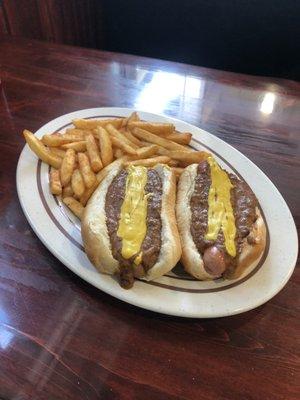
(251, 252)
(93, 227)
(95, 234)
(191, 258)
(170, 251)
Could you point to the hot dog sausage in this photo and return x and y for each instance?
(214, 261)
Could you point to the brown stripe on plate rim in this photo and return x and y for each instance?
(153, 283)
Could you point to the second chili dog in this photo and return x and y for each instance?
(219, 221)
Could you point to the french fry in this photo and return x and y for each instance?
(77, 183)
(122, 145)
(132, 138)
(67, 191)
(41, 151)
(77, 146)
(57, 140)
(193, 157)
(118, 153)
(177, 171)
(93, 153)
(162, 151)
(181, 138)
(84, 198)
(79, 132)
(146, 144)
(118, 135)
(155, 128)
(105, 146)
(124, 123)
(58, 152)
(133, 117)
(99, 177)
(173, 163)
(67, 167)
(145, 152)
(149, 162)
(87, 173)
(150, 137)
(55, 184)
(94, 123)
(74, 205)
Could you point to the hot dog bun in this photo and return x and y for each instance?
(96, 237)
(192, 259)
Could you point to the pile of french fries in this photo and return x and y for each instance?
(82, 156)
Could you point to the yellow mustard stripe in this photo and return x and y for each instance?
(132, 226)
(220, 212)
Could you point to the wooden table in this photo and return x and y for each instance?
(60, 338)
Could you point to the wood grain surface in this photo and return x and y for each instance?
(73, 22)
(60, 338)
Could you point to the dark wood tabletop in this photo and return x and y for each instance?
(61, 338)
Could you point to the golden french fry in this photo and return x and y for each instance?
(122, 145)
(67, 191)
(77, 183)
(124, 123)
(100, 176)
(155, 128)
(162, 151)
(79, 132)
(150, 137)
(94, 123)
(87, 173)
(58, 152)
(133, 117)
(149, 162)
(57, 140)
(132, 138)
(74, 205)
(55, 184)
(77, 146)
(147, 151)
(41, 151)
(105, 146)
(177, 171)
(88, 192)
(181, 138)
(146, 144)
(67, 167)
(93, 153)
(193, 157)
(118, 135)
(173, 163)
(118, 153)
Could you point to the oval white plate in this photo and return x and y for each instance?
(176, 293)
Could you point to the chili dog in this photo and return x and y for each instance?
(129, 227)
(220, 225)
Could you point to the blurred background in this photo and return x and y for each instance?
(259, 37)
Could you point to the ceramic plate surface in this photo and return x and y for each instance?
(176, 293)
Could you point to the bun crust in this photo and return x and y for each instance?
(96, 238)
(170, 251)
(94, 231)
(191, 258)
